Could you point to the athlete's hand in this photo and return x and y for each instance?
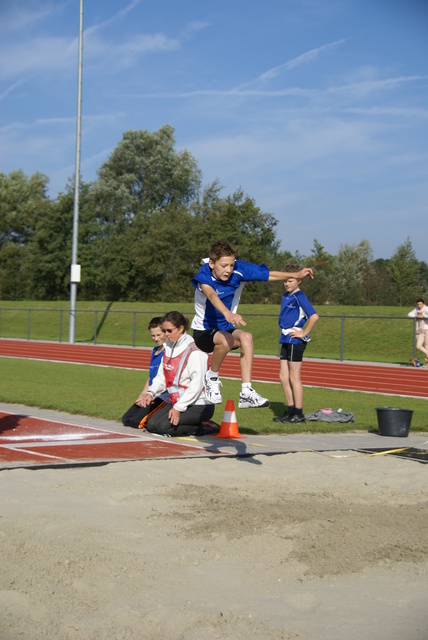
(235, 318)
(305, 272)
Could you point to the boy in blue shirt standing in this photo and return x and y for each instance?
(296, 319)
(218, 285)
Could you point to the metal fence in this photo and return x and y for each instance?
(93, 325)
(28, 325)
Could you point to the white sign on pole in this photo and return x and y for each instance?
(75, 273)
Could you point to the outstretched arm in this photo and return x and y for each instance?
(233, 318)
(283, 275)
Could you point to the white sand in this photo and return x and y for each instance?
(300, 546)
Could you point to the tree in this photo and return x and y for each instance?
(142, 178)
(350, 268)
(423, 279)
(166, 257)
(168, 245)
(323, 263)
(49, 256)
(378, 285)
(404, 270)
(145, 224)
(23, 202)
(145, 173)
(237, 219)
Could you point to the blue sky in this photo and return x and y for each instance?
(316, 108)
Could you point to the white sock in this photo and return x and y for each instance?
(212, 375)
(246, 385)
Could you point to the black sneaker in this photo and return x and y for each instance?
(285, 418)
(296, 419)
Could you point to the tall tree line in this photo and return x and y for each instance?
(147, 221)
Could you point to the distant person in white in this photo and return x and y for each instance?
(421, 313)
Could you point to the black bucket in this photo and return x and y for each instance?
(394, 422)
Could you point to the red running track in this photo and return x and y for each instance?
(387, 379)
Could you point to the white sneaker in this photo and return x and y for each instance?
(250, 399)
(212, 390)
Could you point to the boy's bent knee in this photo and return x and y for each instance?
(245, 339)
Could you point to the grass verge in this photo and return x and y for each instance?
(107, 393)
(378, 334)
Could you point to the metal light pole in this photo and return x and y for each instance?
(75, 268)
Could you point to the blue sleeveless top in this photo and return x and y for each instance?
(155, 361)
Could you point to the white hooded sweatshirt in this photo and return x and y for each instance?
(192, 376)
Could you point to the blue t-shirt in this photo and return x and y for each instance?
(229, 292)
(295, 310)
(155, 361)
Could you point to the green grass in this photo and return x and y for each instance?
(108, 392)
(386, 338)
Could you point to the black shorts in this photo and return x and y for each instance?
(292, 352)
(204, 339)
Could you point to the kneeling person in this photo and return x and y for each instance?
(181, 375)
(137, 412)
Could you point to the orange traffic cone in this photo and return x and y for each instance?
(229, 425)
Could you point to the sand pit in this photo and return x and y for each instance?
(295, 546)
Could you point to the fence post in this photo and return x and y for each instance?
(95, 327)
(28, 323)
(133, 329)
(414, 337)
(342, 338)
(60, 325)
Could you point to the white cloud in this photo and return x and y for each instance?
(10, 90)
(304, 58)
(230, 93)
(109, 21)
(193, 27)
(363, 89)
(16, 16)
(390, 112)
(288, 146)
(49, 145)
(95, 120)
(38, 54)
(144, 43)
(351, 91)
(59, 53)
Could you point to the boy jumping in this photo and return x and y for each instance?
(218, 285)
